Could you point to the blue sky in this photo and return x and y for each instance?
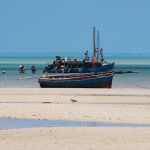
(65, 26)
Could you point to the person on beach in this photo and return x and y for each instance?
(33, 69)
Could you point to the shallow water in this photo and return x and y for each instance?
(10, 123)
(122, 63)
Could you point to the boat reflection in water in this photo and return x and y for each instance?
(92, 80)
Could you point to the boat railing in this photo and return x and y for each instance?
(76, 75)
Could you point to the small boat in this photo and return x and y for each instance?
(92, 80)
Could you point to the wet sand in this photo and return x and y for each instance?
(90, 105)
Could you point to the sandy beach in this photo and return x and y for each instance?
(89, 105)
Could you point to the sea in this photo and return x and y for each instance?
(13, 79)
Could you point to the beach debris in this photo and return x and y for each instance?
(46, 102)
(87, 116)
(73, 100)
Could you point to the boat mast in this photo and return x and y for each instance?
(97, 45)
(94, 49)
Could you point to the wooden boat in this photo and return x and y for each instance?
(61, 65)
(102, 80)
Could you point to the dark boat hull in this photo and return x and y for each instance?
(103, 81)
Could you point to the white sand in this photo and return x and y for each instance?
(126, 106)
(100, 105)
(76, 139)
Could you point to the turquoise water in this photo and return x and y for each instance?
(122, 63)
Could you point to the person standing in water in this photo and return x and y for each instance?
(33, 69)
(22, 69)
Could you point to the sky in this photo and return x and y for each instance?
(65, 26)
